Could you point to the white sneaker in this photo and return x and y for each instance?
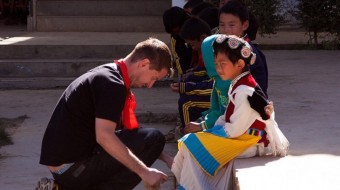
(45, 184)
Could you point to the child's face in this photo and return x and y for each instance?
(225, 68)
(230, 24)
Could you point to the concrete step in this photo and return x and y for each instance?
(98, 16)
(64, 51)
(73, 45)
(99, 23)
(35, 83)
(47, 67)
(102, 7)
(62, 82)
(55, 73)
(42, 60)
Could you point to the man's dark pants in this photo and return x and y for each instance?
(101, 171)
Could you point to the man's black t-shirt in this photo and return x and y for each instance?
(70, 134)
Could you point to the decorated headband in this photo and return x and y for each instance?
(234, 42)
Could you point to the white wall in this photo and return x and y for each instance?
(178, 3)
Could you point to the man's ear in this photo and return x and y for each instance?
(143, 63)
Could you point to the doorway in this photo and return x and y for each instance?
(13, 13)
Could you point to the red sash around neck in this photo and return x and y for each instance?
(129, 119)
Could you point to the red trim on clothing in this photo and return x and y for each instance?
(129, 119)
(259, 125)
(230, 110)
(246, 80)
(197, 59)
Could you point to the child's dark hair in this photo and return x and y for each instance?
(191, 4)
(234, 48)
(200, 7)
(194, 28)
(174, 17)
(237, 8)
(210, 15)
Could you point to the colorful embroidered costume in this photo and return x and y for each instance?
(235, 133)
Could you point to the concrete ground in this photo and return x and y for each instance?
(19, 163)
(305, 89)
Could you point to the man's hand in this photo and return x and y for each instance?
(174, 87)
(106, 138)
(192, 127)
(153, 178)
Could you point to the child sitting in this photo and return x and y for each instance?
(202, 157)
(195, 88)
(234, 20)
(173, 19)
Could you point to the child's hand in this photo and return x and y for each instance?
(186, 75)
(192, 127)
(174, 87)
(269, 109)
(167, 159)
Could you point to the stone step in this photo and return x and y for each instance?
(62, 82)
(99, 24)
(42, 60)
(73, 45)
(102, 8)
(35, 83)
(64, 51)
(48, 74)
(98, 16)
(47, 68)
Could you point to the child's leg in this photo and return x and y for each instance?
(167, 159)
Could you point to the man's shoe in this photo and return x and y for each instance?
(45, 184)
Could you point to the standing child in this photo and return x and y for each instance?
(202, 157)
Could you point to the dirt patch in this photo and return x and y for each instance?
(8, 126)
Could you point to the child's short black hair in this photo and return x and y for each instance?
(191, 4)
(174, 17)
(194, 28)
(200, 7)
(236, 8)
(210, 16)
(253, 27)
(234, 48)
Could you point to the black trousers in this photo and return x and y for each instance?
(101, 171)
(190, 107)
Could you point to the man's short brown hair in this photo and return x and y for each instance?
(156, 51)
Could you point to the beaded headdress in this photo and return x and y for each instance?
(235, 42)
